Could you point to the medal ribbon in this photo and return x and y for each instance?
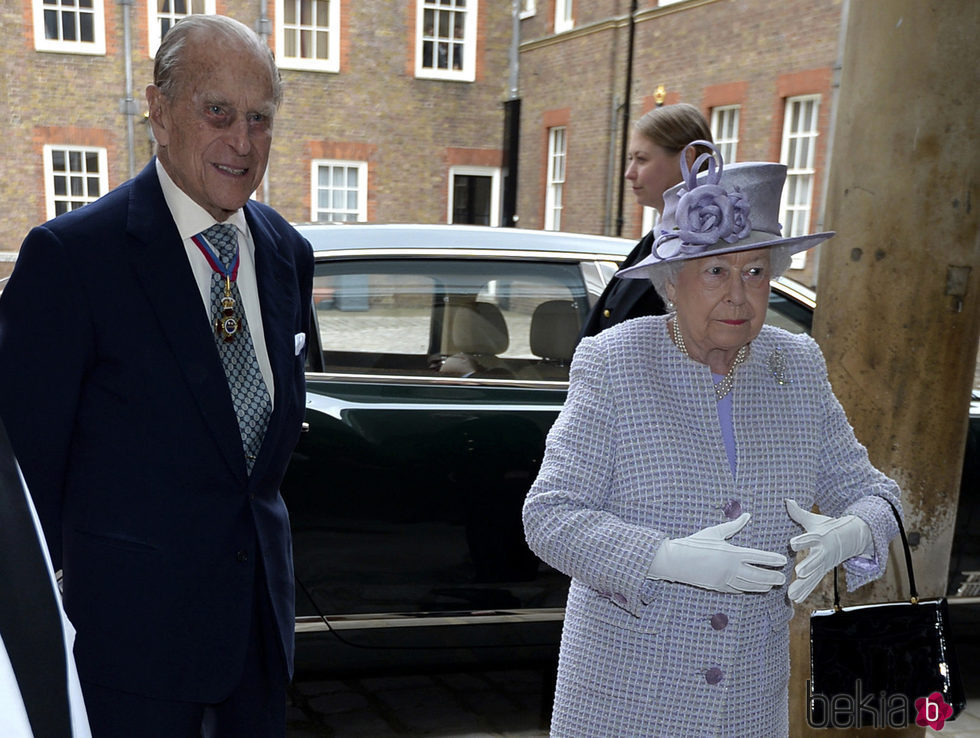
(230, 272)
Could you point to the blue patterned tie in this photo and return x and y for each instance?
(248, 391)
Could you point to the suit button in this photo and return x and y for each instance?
(606, 313)
(733, 508)
(242, 556)
(713, 675)
(719, 621)
(619, 600)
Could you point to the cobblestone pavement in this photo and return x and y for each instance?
(471, 704)
(511, 703)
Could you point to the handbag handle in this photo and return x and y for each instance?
(913, 593)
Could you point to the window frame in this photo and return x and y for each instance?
(476, 171)
(470, 29)
(96, 47)
(362, 188)
(564, 16)
(722, 116)
(50, 197)
(798, 172)
(154, 36)
(331, 63)
(554, 201)
(649, 219)
(528, 9)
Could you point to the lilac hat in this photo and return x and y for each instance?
(719, 211)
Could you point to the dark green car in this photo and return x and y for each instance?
(438, 363)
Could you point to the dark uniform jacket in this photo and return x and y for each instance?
(625, 298)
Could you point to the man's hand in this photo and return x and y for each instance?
(705, 559)
(831, 541)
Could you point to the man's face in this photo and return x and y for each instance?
(214, 135)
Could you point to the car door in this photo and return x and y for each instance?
(426, 423)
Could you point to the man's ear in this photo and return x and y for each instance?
(156, 105)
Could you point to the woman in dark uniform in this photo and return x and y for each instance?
(653, 165)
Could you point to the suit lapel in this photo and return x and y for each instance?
(277, 290)
(167, 282)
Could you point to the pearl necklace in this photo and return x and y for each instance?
(723, 387)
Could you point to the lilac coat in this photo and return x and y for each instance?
(637, 456)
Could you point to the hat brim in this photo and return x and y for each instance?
(755, 240)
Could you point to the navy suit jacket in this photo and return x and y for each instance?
(117, 406)
(625, 298)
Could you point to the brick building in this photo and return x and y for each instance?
(389, 107)
(394, 110)
(761, 72)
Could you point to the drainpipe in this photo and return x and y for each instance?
(127, 106)
(611, 166)
(262, 27)
(626, 114)
(512, 124)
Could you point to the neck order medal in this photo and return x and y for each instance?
(226, 325)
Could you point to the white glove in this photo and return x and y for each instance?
(706, 560)
(831, 541)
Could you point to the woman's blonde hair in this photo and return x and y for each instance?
(672, 127)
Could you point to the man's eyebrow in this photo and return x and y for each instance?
(214, 100)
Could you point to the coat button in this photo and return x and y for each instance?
(606, 313)
(713, 675)
(733, 508)
(619, 599)
(719, 621)
(242, 556)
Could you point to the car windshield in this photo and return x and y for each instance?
(449, 317)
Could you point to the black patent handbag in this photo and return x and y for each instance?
(880, 665)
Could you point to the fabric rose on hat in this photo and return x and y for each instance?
(741, 225)
(704, 215)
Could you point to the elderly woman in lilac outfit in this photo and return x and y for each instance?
(680, 478)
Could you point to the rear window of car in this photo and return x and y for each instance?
(449, 317)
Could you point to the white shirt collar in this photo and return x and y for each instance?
(190, 217)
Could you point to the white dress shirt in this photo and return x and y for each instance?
(191, 219)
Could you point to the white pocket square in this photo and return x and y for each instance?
(300, 340)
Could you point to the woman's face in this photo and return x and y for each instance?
(651, 169)
(721, 301)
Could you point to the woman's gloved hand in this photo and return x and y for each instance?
(705, 559)
(831, 541)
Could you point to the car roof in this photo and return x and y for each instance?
(344, 236)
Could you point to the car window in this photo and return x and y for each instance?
(449, 317)
(788, 314)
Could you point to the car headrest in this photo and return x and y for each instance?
(555, 326)
(480, 328)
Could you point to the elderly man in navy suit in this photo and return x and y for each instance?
(152, 349)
